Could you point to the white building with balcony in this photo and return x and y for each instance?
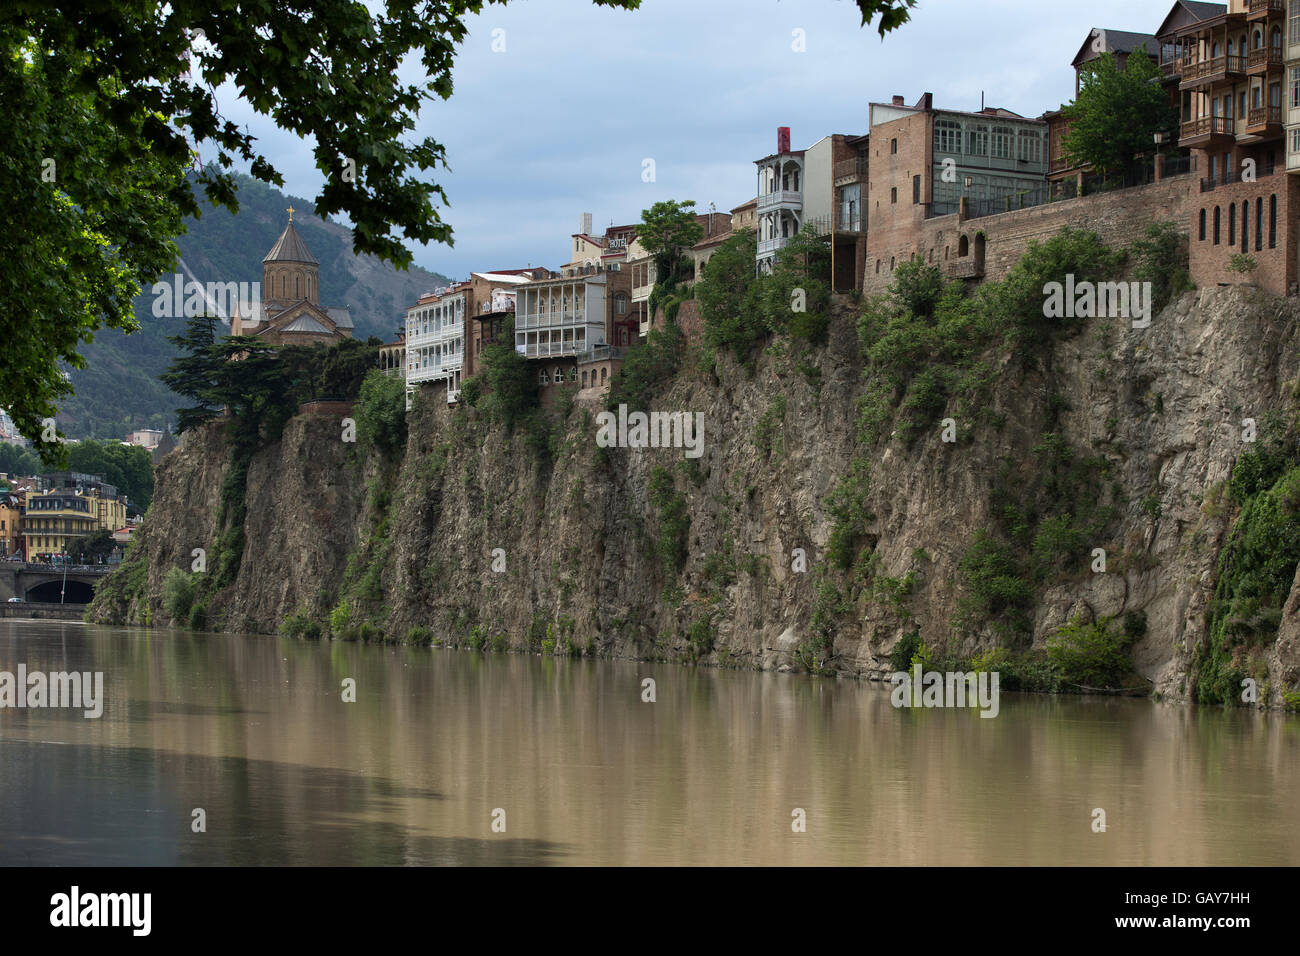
(1293, 86)
(560, 317)
(780, 199)
(435, 341)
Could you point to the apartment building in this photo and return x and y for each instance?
(54, 520)
(107, 506)
(435, 340)
(1292, 68)
(821, 189)
(1232, 77)
(570, 324)
(927, 162)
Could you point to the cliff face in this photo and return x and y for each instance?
(584, 532)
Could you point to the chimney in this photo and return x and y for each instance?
(584, 224)
(899, 101)
(783, 139)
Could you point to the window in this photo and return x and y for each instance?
(1259, 224)
(893, 194)
(1001, 143)
(947, 136)
(1029, 146)
(977, 141)
(1216, 225)
(916, 190)
(893, 147)
(1272, 221)
(1202, 233)
(1232, 225)
(1295, 21)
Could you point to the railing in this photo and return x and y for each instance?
(1266, 6)
(1266, 56)
(1292, 160)
(1206, 126)
(1172, 66)
(780, 198)
(1201, 69)
(542, 349)
(601, 353)
(1264, 116)
(771, 245)
(1230, 176)
(855, 168)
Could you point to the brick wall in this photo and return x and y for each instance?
(1118, 217)
(894, 221)
(1270, 239)
(689, 319)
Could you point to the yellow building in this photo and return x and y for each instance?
(55, 519)
(11, 523)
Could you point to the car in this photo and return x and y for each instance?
(16, 600)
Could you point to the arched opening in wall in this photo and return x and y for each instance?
(1245, 226)
(604, 373)
(963, 247)
(1232, 224)
(584, 378)
(1259, 224)
(1201, 233)
(1272, 221)
(1217, 212)
(979, 250)
(77, 592)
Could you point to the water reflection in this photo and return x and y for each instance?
(254, 731)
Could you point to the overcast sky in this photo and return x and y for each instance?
(561, 121)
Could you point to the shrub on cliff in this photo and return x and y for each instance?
(381, 412)
(178, 594)
(648, 368)
(1161, 258)
(1093, 655)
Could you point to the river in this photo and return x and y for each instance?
(254, 731)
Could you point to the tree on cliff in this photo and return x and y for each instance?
(1117, 114)
(668, 229)
(105, 113)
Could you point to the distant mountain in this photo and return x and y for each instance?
(119, 389)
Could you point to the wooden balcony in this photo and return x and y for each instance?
(1219, 69)
(1264, 121)
(967, 267)
(1206, 131)
(1264, 59)
(1258, 9)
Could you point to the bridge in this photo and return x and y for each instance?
(44, 584)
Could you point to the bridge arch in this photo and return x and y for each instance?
(48, 592)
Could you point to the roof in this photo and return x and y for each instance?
(290, 248)
(500, 277)
(1115, 41)
(341, 317)
(305, 323)
(746, 205)
(1190, 12)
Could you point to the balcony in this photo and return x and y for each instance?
(966, 268)
(1206, 131)
(783, 199)
(1264, 121)
(1263, 60)
(850, 170)
(1262, 8)
(1217, 69)
(1171, 67)
(769, 246)
(600, 353)
(1292, 162)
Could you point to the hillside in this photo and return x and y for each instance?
(833, 524)
(119, 389)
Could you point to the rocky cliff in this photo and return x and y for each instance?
(542, 540)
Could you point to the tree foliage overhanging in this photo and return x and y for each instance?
(108, 106)
(1117, 114)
